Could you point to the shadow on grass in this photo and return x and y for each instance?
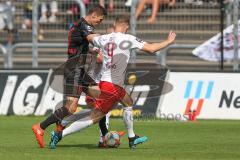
(88, 146)
(94, 146)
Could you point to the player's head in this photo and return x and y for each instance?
(122, 23)
(96, 15)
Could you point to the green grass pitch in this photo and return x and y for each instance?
(168, 140)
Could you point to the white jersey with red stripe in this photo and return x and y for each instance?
(116, 49)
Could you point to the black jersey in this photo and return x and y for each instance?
(77, 38)
(75, 75)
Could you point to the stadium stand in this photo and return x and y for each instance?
(193, 24)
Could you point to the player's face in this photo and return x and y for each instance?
(96, 19)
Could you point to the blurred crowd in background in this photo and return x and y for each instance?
(48, 11)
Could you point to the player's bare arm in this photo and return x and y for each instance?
(90, 37)
(153, 47)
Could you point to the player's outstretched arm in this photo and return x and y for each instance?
(90, 37)
(153, 47)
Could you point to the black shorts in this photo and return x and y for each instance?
(76, 80)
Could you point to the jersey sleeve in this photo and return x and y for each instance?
(136, 42)
(96, 42)
(87, 30)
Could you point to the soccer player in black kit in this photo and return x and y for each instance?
(75, 77)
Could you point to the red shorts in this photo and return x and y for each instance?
(110, 94)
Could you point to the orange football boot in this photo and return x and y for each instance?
(121, 133)
(39, 132)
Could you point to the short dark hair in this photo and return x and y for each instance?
(99, 10)
(123, 19)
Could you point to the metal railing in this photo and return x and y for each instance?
(162, 55)
(5, 56)
(236, 34)
(202, 22)
(199, 22)
(35, 28)
(133, 26)
(30, 45)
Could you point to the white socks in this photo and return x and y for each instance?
(128, 120)
(77, 126)
(75, 117)
(81, 124)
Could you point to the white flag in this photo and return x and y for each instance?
(211, 49)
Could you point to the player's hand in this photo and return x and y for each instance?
(96, 50)
(171, 37)
(99, 57)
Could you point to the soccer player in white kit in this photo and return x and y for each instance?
(94, 71)
(116, 49)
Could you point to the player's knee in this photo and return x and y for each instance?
(71, 105)
(127, 109)
(128, 103)
(96, 116)
(96, 119)
(72, 109)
